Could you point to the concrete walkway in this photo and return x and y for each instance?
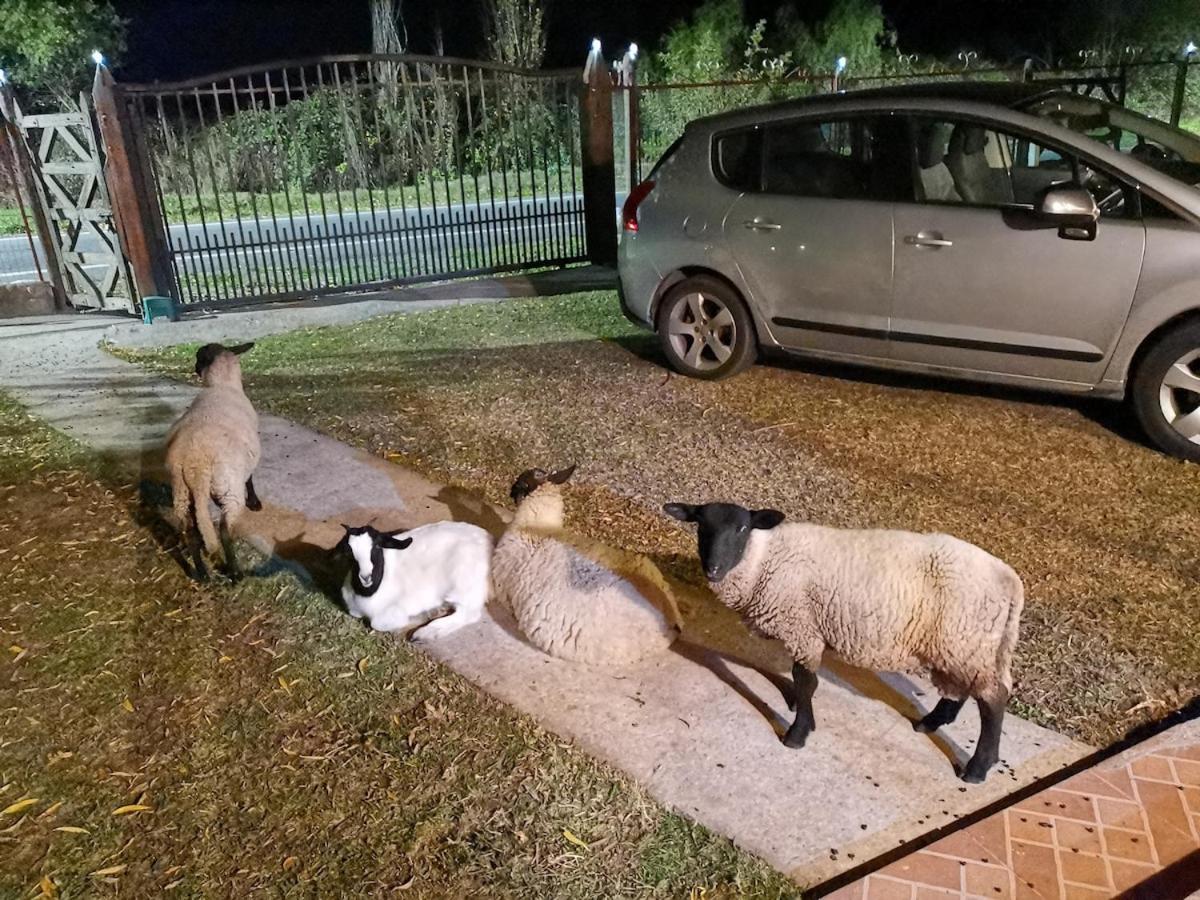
(697, 727)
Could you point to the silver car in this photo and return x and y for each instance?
(1007, 233)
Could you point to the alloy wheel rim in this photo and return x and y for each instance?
(1179, 396)
(702, 331)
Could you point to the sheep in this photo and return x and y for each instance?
(890, 600)
(213, 449)
(573, 598)
(399, 578)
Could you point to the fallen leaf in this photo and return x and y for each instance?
(362, 665)
(574, 839)
(131, 808)
(72, 829)
(290, 863)
(49, 888)
(126, 705)
(16, 648)
(19, 806)
(111, 870)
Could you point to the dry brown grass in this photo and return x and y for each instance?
(1105, 531)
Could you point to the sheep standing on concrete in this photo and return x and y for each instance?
(399, 579)
(574, 598)
(890, 600)
(212, 451)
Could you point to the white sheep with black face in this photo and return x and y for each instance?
(213, 450)
(576, 598)
(889, 600)
(399, 579)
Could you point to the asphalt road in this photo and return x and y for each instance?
(326, 249)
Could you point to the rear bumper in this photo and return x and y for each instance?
(637, 282)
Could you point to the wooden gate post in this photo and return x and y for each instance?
(30, 183)
(1181, 74)
(131, 191)
(599, 175)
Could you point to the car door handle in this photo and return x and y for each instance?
(927, 239)
(761, 225)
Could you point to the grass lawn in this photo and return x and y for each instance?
(217, 741)
(10, 221)
(1105, 532)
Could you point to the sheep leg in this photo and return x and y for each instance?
(805, 724)
(252, 502)
(944, 713)
(987, 752)
(439, 628)
(232, 506)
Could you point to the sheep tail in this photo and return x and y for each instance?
(181, 498)
(1008, 641)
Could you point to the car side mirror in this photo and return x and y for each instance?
(1072, 209)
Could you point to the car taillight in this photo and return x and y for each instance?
(632, 202)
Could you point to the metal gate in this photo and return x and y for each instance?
(348, 172)
(69, 171)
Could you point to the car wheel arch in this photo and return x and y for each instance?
(684, 272)
(1155, 335)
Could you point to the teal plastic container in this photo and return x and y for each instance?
(159, 308)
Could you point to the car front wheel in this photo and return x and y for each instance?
(1166, 392)
(705, 329)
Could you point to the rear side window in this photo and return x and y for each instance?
(667, 155)
(736, 159)
(848, 159)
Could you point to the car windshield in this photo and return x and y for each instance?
(1169, 149)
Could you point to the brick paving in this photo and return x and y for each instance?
(1098, 834)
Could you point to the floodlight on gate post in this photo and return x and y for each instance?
(594, 58)
(839, 66)
(1190, 49)
(98, 57)
(3, 77)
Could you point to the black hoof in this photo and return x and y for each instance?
(924, 726)
(254, 504)
(795, 739)
(974, 774)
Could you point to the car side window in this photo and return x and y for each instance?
(970, 163)
(736, 159)
(841, 159)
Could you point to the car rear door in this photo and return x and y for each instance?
(982, 284)
(813, 238)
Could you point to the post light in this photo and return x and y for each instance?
(595, 45)
(841, 64)
(3, 77)
(633, 50)
(98, 57)
(1190, 49)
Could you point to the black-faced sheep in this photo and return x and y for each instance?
(574, 598)
(889, 600)
(213, 449)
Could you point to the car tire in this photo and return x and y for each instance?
(705, 329)
(1166, 392)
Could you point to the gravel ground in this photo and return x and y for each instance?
(1104, 531)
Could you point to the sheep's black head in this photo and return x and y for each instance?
(209, 353)
(722, 532)
(532, 479)
(366, 545)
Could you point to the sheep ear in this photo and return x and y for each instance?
(390, 542)
(561, 476)
(684, 512)
(765, 518)
(241, 348)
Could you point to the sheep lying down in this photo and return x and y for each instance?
(573, 598)
(889, 600)
(399, 579)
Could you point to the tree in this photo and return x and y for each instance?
(388, 34)
(45, 44)
(854, 29)
(516, 32)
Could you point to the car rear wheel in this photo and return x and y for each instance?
(1166, 392)
(705, 329)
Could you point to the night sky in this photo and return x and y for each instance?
(171, 39)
